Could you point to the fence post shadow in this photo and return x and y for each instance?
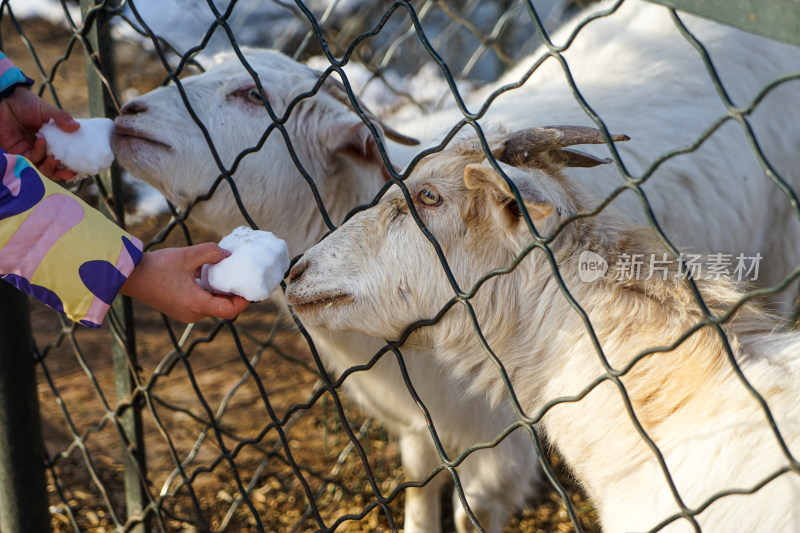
(23, 492)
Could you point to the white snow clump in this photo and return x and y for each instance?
(255, 268)
(86, 151)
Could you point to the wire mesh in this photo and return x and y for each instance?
(246, 426)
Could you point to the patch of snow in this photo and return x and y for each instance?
(255, 268)
(148, 201)
(185, 23)
(86, 151)
(50, 10)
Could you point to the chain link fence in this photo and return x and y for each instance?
(150, 425)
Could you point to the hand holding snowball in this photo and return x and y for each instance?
(22, 114)
(166, 281)
(255, 268)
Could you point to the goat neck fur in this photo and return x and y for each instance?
(710, 429)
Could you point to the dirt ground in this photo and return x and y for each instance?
(205, 409)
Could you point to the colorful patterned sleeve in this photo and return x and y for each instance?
(10, 77)
(58, 249)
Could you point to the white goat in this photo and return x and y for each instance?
(156, 139)
(376, 275)
(641, 76)
(633, 68)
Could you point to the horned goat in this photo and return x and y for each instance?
(578, 381)
(636, 70)
(156, 139)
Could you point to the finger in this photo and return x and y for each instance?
(191, 305)
(63, 120)
(39, 151)
(227, 307)
(67, 123)
(218, 305)
(209, 252)
(239, 304)
(48, 166)
(62, 174)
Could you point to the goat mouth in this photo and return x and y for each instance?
(127, 134)
(317, 302)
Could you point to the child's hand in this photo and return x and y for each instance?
(166, 281)
(21, 116)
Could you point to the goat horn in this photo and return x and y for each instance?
(523, 144)
(574, 158)
(336, 89)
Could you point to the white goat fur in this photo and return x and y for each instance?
(712, 433)
(335, 148)
(646, 80)
(633, 68)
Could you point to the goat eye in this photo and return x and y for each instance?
(429, 196)
(255, 97)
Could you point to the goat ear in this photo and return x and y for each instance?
(355, 140)
(337, 90)
(485, 178)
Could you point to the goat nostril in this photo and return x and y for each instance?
(297, 271)
(134, 107)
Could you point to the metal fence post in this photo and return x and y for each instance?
(23, 492)
(99, 73)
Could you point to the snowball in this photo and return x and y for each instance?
(255, 268)
(86, 151)
(147, 201)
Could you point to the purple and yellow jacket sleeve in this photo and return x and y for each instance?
(52, 245)
(58, 249)
(10, 77)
